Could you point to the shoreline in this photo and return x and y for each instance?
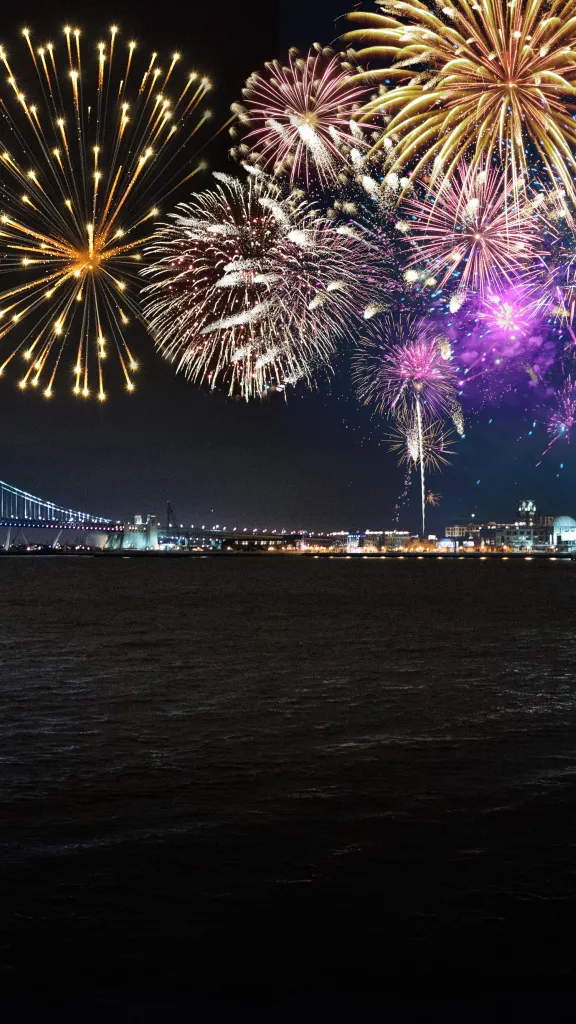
(390, 555)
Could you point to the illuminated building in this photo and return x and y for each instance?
(247, 543)
(564, 534)
(141, 534)
(517, 536)
(530, 532)
(460, 531)
(377, 540)
(527, 511)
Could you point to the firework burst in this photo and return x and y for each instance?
(511, 312)
(87, 161)
(437, 446)
(400, 364)
(477, 79)
(298, 119)
(252, 289)
(471, 227)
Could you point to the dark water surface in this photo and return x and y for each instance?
(276, 774)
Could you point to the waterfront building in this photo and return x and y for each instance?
(517, 536)
(461, 531)
(530, 532)
(373, 541)
(141, 534)
(564, 534)
(247, 542)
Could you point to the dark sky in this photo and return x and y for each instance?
(316, 460)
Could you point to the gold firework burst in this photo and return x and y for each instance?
(82, 165)
(432, 448)
(473, 79)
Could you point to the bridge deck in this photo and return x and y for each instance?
(87, 526)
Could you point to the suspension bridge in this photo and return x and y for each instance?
(20, 510)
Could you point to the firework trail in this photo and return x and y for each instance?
(427, 446)
(298, 119)
(87, 159)
(480, 80)
(253, 289)
(399, 368)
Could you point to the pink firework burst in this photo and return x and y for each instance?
(510, 311)
(472, 226)
(298, 119)
(403, 365)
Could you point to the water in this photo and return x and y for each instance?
(278, 775)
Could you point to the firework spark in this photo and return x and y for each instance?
(481, 79)
(298, 119)
(472, 228)
(433, 499)
(252, 289)
(79, 186)
(562, 418)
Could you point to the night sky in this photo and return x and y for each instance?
(317, 460)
